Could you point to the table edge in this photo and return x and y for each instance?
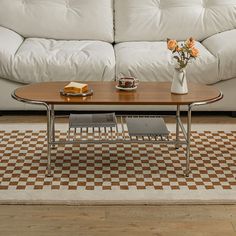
(195, 103)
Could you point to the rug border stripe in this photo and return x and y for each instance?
(118, 197)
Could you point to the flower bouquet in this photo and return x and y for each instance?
(183, 53)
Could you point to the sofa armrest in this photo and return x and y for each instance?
(9, 44)
(223, 46)
(10, 41)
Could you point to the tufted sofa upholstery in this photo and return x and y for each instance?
(46, 40)
(155, 20)
(142, 52)
(56, 40)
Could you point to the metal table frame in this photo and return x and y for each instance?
(51, 142)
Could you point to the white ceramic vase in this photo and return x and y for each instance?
(179, 83)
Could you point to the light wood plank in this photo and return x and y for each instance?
(118, 220)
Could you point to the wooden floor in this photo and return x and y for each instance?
(180, 220)
(118, 220)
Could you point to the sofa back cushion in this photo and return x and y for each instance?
(59, 19)
(155, 20)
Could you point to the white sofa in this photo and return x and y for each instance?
(51, 40)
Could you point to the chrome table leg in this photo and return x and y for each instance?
(189, 121)
(53, 125)
(49, 138)
(177, 127)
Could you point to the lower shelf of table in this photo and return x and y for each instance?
(113, 135)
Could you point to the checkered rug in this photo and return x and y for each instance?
(118, 168)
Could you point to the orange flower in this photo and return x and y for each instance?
(171, 44)
(190, 42)
(194, 52)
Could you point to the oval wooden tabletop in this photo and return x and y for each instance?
(147, 93)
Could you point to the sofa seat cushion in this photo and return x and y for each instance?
(151, 61)
(47, 60)
(223, 46)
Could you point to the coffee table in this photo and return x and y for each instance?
(105, 93)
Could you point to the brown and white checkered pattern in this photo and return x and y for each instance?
(23, 161)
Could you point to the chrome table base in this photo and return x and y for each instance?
(114, 136)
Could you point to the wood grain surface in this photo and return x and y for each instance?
(189, 220)
(105, 93)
